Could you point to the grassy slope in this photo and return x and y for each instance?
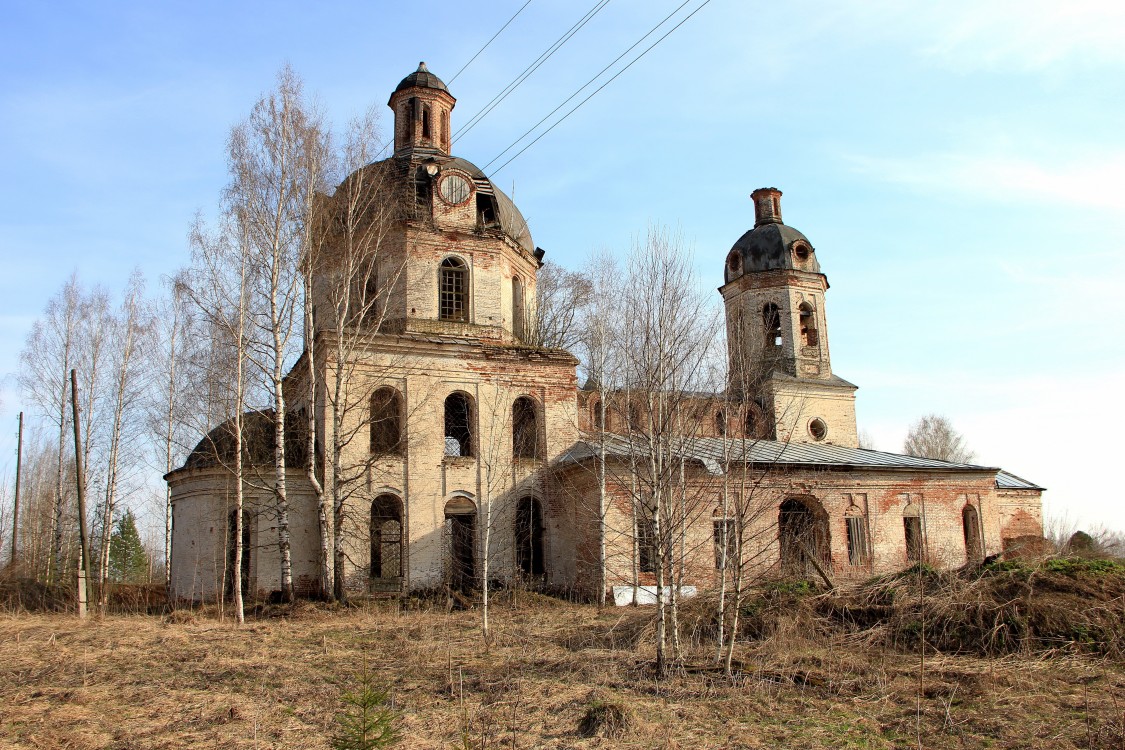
(144, 682)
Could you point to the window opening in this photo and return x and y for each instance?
(486, 211)
(912, 529)
(721, 423)
(801, 250)
(771, 319)
(460, 530)
(458, 425)
(386, 540)
(725, 537)
(519, 316)
(525, 428)
(752, 426)
(818, 429)
(803, 536)
(646, 544)
(529, 537)
(426, 121)
(598, 411)
(386, 421)
(453, 303)
(856, 526)
(808, 325)
(970, 521)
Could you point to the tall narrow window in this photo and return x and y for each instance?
(752, 425)
(386, 421)
(646, 544)
(721, 423)
(597, 411)
(519, 315)
(426, 132)
(386, 539)
(912, 529)
(367, 302)
(771, 322)
(458, 425)
(808, 326)
(529, 537)
(856, 526)
(970, 521)
(525, 428)
(726, 547)
(453, 298)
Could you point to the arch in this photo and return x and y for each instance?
(386, 421)
(912, 531)
(855, 526)
(453, 290)
(525, 428)
(458, 425)
(803, 535)
(386, 540)
(771, 325)
(519, 312)
(809, 336)
(530, 534)
(970, 523)
(460, 537)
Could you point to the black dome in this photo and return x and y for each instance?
(421, 78)
(771, 247)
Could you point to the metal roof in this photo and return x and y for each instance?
(713, 452)
(1008, 481)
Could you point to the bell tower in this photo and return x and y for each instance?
(777, 331)
(422, 105)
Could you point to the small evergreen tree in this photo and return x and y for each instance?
(368, 720)
(128, 561)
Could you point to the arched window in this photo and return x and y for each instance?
(525, 428)
(721, 423)
(386, 421)
(597, 413)
(970, 521)
(529, 537)
(912, 528)
(803, 534)
(453, 296)
(426, 121)
(809, 336)
(856, 527)
(519, 314)
(386, 539)
(460, 543)
(771, 322)
(458, 425)
(752, 426)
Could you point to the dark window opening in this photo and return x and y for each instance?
(752, 425)
(809, 335)
(801, 250)
(818, 429)
(598, 411)
(423, 193)
(970, 521)
(912, 526)
(771, 320)
(721, 423)
(460, 530)
(445, 125)
(386, 538)
(646, 545)
(519, 313)
(804, 539)
(529, 537)
(245, 572)
(525, 428)
(857, 539)
(386, 421)
(415, 107)
(726, 547)
(426, 122)
(486, 211)
(453, 301)
(368, 298)
(734, 261)
(458, 425)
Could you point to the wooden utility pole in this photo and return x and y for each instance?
(16, 505)
(80, 482)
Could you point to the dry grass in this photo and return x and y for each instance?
(565, 676)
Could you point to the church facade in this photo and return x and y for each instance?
(472, 455)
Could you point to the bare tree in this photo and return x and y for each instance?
(561, 297)
(277, 158)
(933, 436)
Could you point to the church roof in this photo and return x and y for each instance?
(713, 452)
(768, 247)
(1007, 481)
(216, 449)
(421, 78)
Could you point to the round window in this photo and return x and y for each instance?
(801, 250)
(454, 189)
(818, 429)
(734, 261)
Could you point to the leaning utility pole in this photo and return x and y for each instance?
(80, 482)
(16, 505)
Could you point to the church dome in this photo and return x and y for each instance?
(421, 78)
(770, 245)
(508, 218)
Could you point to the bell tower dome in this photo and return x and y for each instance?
(777, 331)
(422, 104)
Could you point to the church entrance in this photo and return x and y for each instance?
(460, 534)
(802, 532)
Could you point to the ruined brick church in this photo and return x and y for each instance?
(480, 450)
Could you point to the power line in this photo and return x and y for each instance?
(490, 41)
(531, 69)
(583, 86)
(595, 92)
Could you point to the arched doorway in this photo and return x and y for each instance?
(385, 571)
(460, 533)
(529, 538)
(970, 521)
(802, 533)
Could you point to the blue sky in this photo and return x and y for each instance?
(959, 166)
